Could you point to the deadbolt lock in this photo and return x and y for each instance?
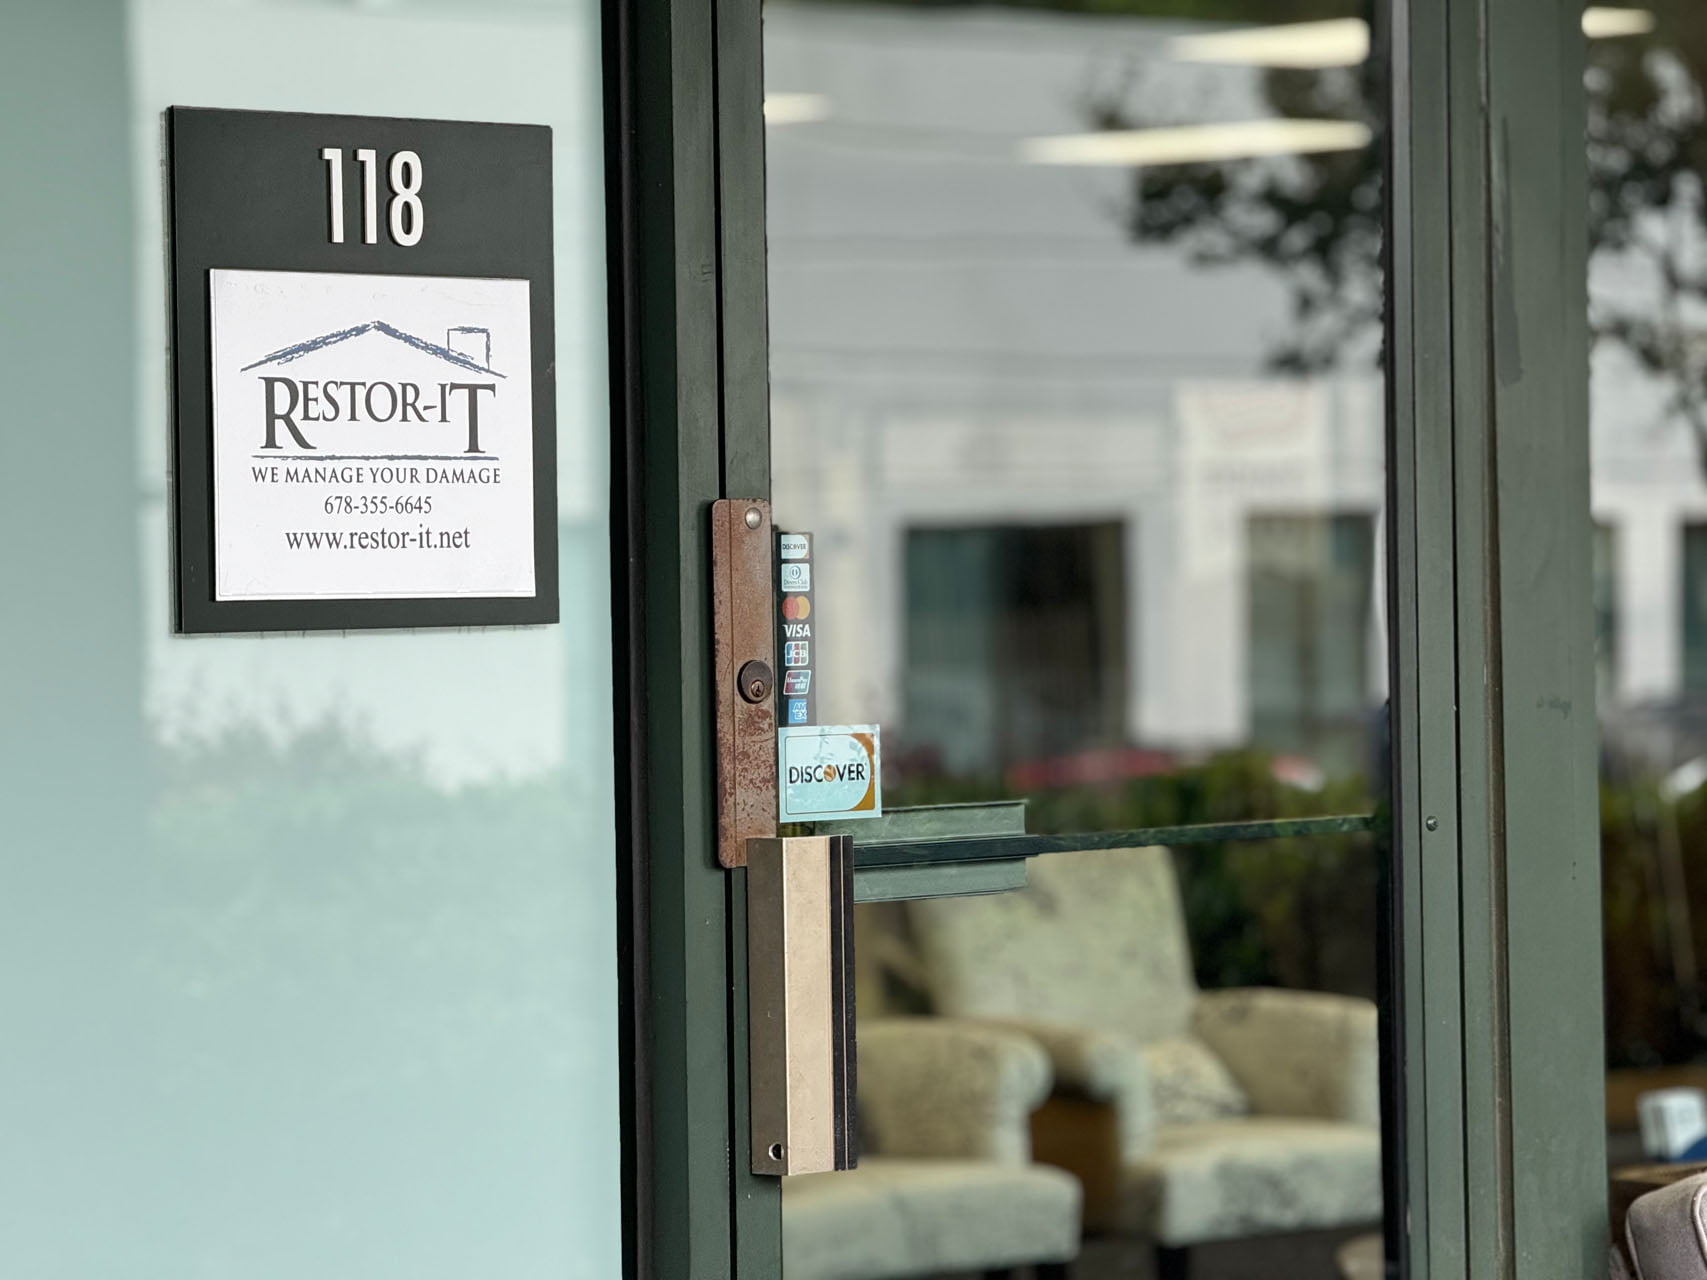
(755, 680)
(743, 656)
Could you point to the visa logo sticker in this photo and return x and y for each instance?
(829, 771)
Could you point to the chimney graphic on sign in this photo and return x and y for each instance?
(471, 341)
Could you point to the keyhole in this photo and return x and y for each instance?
(754, 680)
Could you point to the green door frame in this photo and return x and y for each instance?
(1495, 732)
(684, 109)
(1498, 1100)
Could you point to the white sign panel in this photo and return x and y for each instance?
(829, 771)
(372, 437)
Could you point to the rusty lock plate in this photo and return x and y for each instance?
(744, 657)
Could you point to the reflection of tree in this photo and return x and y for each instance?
(364, 1002)
(1647, 153)
(323, 874)
(1316, 220)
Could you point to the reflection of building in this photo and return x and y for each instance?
(1650, 505)
(1059, 501)
(974, 365)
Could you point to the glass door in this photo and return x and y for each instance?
(1077, 386)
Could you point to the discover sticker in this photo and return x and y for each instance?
(829, 771)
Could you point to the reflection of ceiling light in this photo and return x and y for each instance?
(1604, 24)
(1198, 144)
(795, 108)
(1344, 42)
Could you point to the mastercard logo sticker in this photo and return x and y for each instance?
(796, 608)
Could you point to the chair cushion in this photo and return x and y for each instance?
(896, 1217)
(1095, 939)
(1189, 1084)
(1362, 1258)
(1255, 1176)
(1667, 1231)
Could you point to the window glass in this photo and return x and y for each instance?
(1647, 157)
(1015, 645)
(1076, 381)
(1605, 611)
(1694, 608)
(1309, 635)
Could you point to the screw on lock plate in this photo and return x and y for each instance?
(755, 680)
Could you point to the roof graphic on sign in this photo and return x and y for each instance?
(297, 350)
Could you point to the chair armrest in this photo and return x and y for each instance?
(1666, 1231)
(1297, 1053)
(946, 1088)
(1100, 1066)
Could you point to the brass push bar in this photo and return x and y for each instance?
(800, 993)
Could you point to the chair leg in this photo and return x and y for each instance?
(1172, 1263)
(1042, 1271)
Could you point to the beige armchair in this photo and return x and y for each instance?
(945, 1182)
(1666, 1232)
(1189, 1116)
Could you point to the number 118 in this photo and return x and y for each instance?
(404, 215)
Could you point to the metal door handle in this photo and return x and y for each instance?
(800, 1003)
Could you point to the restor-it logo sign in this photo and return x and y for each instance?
(372, 436)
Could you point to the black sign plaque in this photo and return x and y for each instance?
(365, 419)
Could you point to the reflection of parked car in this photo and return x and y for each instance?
(1652, 737)
(1105, 765)
(1089, 768)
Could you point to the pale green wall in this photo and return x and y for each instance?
(307, 958)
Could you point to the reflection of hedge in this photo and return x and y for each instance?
(1297, 912)
(326, 883)
(379, 1013)
(284, 874)
(1650, 1017)
(1302, 912)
